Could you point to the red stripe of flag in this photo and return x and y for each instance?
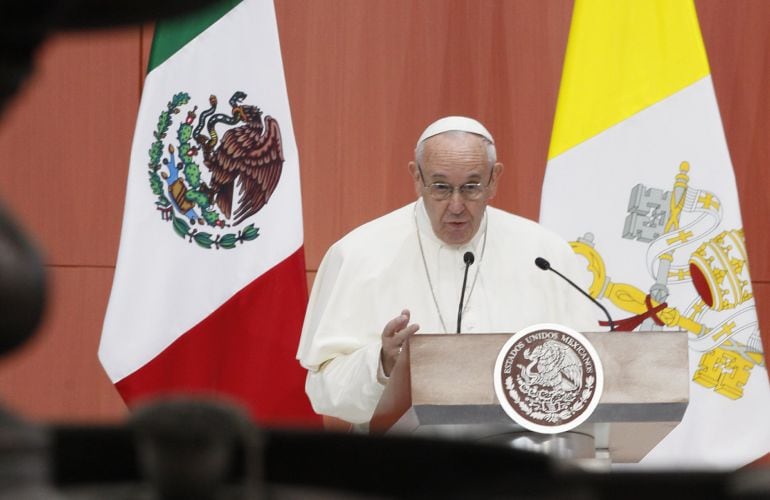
(244, 350)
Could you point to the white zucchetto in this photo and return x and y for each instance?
(455, 123)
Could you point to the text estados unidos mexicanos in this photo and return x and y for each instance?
(510, 357)
(580, 350)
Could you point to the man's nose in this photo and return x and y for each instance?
(456, 202)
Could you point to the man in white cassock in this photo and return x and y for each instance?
(404, 269)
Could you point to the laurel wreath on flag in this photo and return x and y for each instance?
(191, 171)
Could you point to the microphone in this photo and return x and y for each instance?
(468, 258)
(546, 266)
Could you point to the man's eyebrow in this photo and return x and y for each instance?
(473, 178)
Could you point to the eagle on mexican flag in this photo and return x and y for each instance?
(209, 292)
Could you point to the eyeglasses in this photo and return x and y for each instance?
(441, 191)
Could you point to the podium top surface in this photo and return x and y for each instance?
(457, 369)
(445, 380)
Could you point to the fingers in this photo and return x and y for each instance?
(396, 324)
(397, 330)
(403, 334)
(394, 335)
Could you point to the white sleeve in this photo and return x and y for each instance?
(340, 345)
(346, 387)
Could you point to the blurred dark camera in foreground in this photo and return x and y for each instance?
(22, 285)
(25, 25)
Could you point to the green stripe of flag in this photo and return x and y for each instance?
(172, 35)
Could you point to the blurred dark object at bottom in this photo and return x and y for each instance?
(302, 464)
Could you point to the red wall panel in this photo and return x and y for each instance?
(364, 78)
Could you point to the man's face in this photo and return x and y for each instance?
(455, 159)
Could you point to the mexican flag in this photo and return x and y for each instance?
(639, 179)
(209, 292)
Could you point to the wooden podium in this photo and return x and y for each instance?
(443, 385)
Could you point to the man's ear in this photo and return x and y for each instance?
(415, 173)
(497, 171)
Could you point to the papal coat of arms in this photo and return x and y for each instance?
(241, 170)
(698, 280)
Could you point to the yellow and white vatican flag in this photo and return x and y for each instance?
(639, 179)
